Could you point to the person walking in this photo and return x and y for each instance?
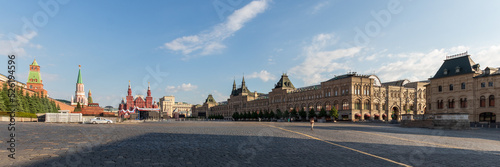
(312, 124)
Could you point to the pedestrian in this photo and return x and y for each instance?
(312, 124)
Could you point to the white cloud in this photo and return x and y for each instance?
(415, 66)
(319, 61)
(16, 43)
(184, 87)
(488, 57)
(210, 42)
(263, 75)
(319, 6)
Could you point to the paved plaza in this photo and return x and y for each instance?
(248, 144)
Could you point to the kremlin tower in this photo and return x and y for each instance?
(80, 92)
(35, 83)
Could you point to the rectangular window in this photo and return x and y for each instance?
(451, 87)
(490, 84)
(463, 85)
(440, 88)
(483, 85)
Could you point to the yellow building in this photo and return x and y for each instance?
(460, 86)
(356, 97)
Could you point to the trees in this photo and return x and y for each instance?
(261, 114)
(302, 114)
(266, 114)
(312, 113)
(279, 114)
(322, 113)
(78, 107)
(271, 115)
(255, 115)
(286, 114)
(293, 114)
(334, 113)
(236, 116)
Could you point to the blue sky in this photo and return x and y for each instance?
(194, 48)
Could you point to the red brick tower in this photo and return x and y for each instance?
(35, 79)
(149, 99)
(130, 99)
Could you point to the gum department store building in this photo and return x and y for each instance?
(356, 97)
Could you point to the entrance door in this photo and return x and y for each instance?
(395, 113)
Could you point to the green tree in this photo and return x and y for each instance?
(255, 115)
(261, 114)
(5, 96)
(58, 107)
(334, 113)
(286, 114)
(236, 116)
(293, 114)
(271, 115)
(266, 114)
(302, 114)
(322, 113)
(312, 113)
(79, 107)
(279, 114)
(2, 105)
(20, 100)
(26, 102)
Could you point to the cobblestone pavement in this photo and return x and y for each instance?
(248, 144)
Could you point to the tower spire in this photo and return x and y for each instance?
(149, 91)
(79, 80)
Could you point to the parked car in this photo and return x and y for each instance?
(99, 120)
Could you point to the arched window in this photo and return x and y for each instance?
(492, 101)
(463, 103)
(345, 105)
(482, 101)
(440, 88)
(451, 103)
(357, 105)
(366, 106)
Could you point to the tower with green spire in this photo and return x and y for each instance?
(34, 82)
(80, 92)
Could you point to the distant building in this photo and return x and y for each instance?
(130, 103)
(35, 79)
(169, 107)
(460, 86)
(79, 92)
(356, 97)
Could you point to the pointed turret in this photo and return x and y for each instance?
(90, 97)
(79, 80)
(234, 85)
(34, 63)
(149, 90)
(243, 83)
(129, 89)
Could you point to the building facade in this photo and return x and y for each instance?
(169, 107)
(460, 86)
(356, 97)
(130, 102)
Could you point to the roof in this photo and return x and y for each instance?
(210, 99)
(284, 82)
(34, 77)
(34, 63)
(79, 80)
(397, 83)
(489, 71)
(456, 66)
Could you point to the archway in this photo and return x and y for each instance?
(395, 113)
(487, 117)
(367, 116)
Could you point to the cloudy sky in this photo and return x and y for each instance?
(194, 48)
